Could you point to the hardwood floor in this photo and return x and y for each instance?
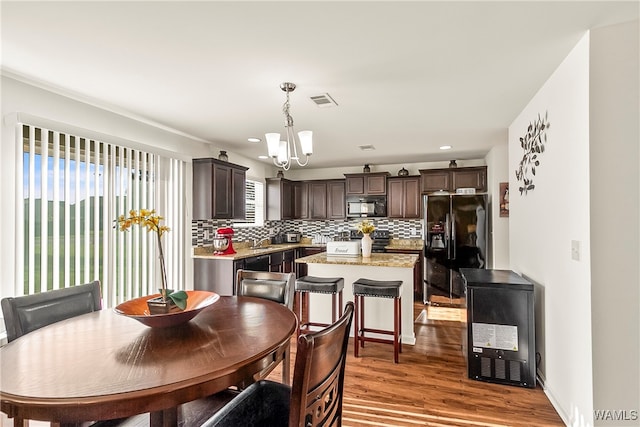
(429, 387)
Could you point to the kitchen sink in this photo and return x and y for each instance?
(261, 249)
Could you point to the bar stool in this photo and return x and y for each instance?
(378, 289)
(319, 285)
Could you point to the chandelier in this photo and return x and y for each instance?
(284, 153)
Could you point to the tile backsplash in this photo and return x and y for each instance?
(202, 231)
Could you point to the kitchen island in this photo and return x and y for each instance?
(381, 266)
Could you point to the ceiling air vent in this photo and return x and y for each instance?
(324, 101)
(366, 147)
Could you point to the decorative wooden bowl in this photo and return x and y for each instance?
(137, 309)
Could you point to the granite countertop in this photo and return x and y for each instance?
(406, 244)
(243, 251)
(376, 260)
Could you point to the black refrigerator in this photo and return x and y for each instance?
(455, 235)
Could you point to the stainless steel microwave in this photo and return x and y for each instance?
(367, 206)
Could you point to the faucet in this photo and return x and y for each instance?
(258, 243)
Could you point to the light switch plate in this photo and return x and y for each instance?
(575, 250)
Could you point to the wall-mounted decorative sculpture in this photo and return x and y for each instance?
(533, 145)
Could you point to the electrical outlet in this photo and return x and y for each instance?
(412, 230)
(575, 250)
(206, 234)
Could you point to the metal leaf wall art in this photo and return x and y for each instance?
(533, 146)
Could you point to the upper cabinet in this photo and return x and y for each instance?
(403, 197)
(218, 189)
(450, 179)
(280, 200)
(372, 183)
(301, 200)
(326, 199)
(320, 199)
(336, 199)
(317, 199)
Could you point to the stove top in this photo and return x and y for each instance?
(380, 239)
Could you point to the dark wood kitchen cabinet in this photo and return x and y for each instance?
(317, 199)
(218, 189)
(275, 262)
(450, 179)
(301, 200)
(336, 203)
(403, 197)
(418, 270)
(363, 184)
(280, 200)
(282, 262)
(326, 199)
(301, 268)
(321, 199)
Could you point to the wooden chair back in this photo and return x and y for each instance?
(318, 376)
(278, 287)
(30, 312)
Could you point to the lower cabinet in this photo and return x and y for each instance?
(301, 269)
(257, 263)
(275, 262)
(282, 262)
(418, 270)
(288, 261)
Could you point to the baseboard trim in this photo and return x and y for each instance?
(552, 399)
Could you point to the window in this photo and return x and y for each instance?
(73, 190)
(254, 205)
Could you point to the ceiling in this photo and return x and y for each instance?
(408, 77)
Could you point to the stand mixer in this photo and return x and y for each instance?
(222, 243)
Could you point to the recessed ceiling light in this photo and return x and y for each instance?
(445, 147)
(254, 139)
(263, 157)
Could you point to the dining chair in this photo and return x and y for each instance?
(30, 312)
(276, 287)
(314, 399)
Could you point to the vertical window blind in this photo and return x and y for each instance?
(73, 190)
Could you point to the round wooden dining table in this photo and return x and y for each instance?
(103, 365)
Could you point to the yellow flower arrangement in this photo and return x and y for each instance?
(365, 227)
(151, 221)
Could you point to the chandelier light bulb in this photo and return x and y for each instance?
(285, 152)
(273, 144)
(306, 142)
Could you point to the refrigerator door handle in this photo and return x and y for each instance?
(453, 236)
(447, 241)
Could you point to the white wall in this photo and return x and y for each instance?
(544, 222)
(498, 171)
(615, 219)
